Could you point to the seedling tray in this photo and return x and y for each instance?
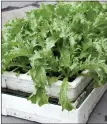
(24, 83)
(50, 113)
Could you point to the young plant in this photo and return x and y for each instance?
(57, 42)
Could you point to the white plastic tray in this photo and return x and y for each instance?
(49, 113)
(24, 83)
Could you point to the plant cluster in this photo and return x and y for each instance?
(57, 42)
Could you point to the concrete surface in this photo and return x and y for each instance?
(9, 119)
(99, 113)
(15, 4)
(22, 3)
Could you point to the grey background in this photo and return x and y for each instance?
(100, 111)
